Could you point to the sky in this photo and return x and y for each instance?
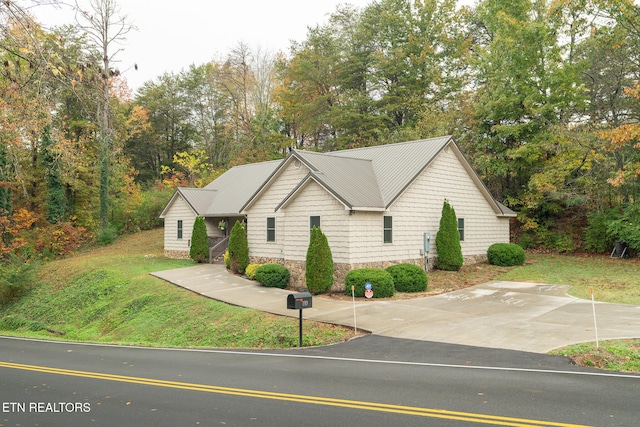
(171, 35)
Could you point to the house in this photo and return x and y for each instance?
(374, 204)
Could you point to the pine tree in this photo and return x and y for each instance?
(319, 265)
(199, 251)
(238, 248)
(448, 240)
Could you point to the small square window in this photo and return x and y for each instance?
(388, 229)
(271, 229)
(314, 221)
(179, 229)
(461, 228)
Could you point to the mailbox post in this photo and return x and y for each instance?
(299, 301)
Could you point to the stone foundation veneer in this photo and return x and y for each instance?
(177, 254)
(297, 268)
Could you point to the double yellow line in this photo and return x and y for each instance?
(353, 404)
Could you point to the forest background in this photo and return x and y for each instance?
(543, 97)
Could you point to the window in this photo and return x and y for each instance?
(388, 229)
(271, 229)
(314, 221)
(179, 229)
(461, 228)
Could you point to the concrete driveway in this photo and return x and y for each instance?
(509, 315)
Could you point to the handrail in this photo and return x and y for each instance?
(218, 249)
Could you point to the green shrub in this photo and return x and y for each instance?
(596, 238)
(381, 282)
(108, 235)
(250, 271)
(408, 277)
(238, 248)
(199, 251)
(273, 276)
(505, 254)
(625, 227)
(319, 265)
(448, 240)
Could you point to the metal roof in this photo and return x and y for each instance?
(234, 187)
(361, 178)
(397, 165)
(199, 199)
(353, 181)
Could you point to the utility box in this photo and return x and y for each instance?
(299, 301)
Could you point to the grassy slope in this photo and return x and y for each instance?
(106, 295)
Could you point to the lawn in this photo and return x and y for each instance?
(612, 280)
(106, 295)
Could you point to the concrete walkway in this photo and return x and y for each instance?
(509, 315)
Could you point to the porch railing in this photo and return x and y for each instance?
(218, 249)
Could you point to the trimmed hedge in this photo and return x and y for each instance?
(381, 282)
(250, 271)
(408, 277)
(273, 275)
(505, 254)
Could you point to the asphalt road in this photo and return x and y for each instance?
(372, 381)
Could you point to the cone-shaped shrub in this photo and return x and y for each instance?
(199, 251)
(238, 248)
(448, 240)
(319, 265)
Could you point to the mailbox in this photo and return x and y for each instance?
(299, 301)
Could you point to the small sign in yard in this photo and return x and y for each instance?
(368, 291)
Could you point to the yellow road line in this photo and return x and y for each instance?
(353, 404)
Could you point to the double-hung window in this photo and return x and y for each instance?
(388, 229)
(314, 221)
(461, 228)
(179, 229)
(271, 229)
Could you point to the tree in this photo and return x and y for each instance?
(5, 185)
(238, 248)
(523, 88)
(56, 198)
(105, 28)
(319, 265)
(199, 251)
(448, 240)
